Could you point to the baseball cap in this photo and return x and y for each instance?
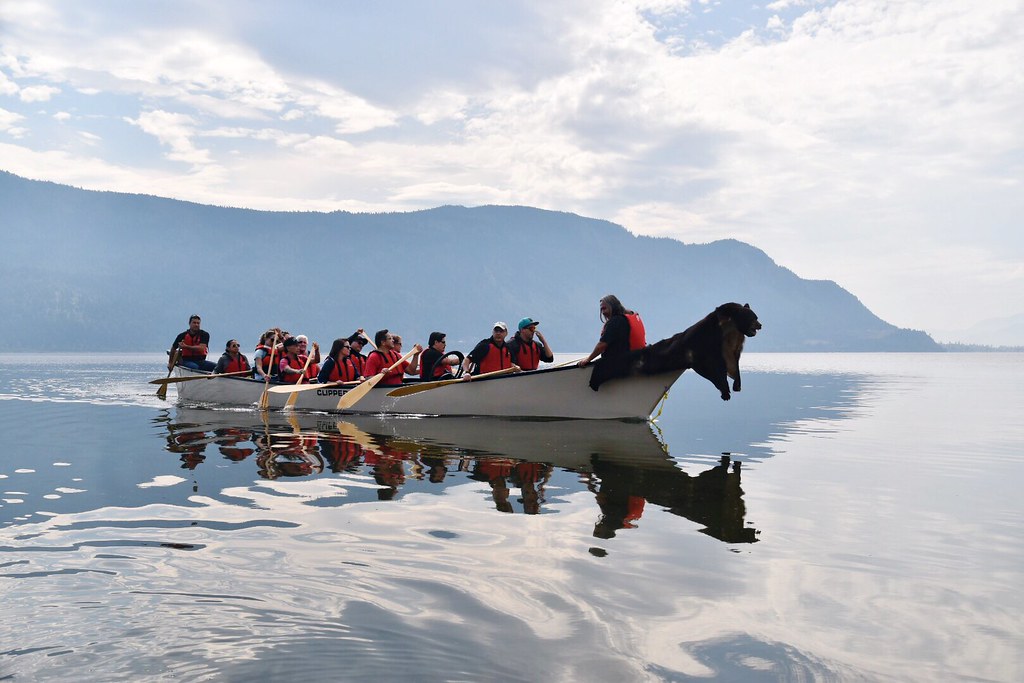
(526, 322)
(500, 325)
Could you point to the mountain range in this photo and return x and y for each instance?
(85, 270)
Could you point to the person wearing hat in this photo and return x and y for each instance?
(292, 364)
(490, 354)
(526, 351)
(358, 341)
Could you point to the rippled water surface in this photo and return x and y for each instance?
(845, 517)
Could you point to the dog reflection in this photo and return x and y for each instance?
(713, 498)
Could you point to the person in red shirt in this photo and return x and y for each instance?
(385, 356)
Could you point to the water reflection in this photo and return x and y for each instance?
(624, 465)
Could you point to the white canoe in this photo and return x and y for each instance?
(554, 392)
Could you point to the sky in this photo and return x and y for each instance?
(876, 144)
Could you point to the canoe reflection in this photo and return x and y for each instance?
(623, 464)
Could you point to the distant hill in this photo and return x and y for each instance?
(1008, 330)
(84, 270)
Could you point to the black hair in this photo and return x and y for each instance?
(337, 346)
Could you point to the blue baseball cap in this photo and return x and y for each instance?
(526, 322)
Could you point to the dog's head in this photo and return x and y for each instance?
(743, 317)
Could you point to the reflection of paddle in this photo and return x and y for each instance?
(353, 396)
(356, 435)
(265, 397)
(175, 380)
(291, 399)
(162, 391)
(427, 386)
(296, 389)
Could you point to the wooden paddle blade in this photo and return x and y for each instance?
(161, 392)
(353, 396)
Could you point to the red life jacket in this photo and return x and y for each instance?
(496, 359)
(189, 354)
(637, 333)
(296, 364)
(236, 364)
(359, 361)
(312, 370)
(343, 371)
(265, 360)
(527, 355)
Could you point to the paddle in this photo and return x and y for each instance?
(353, 396)
(291, 399)
(175, 380)
(427, 386)
(265, 397)
(162, 391)
(296, 389)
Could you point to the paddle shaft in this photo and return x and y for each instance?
(291, 399)
(265, 396)
(175, 380)
(427, 386)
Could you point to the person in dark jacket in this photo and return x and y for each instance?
(232, 360)
(613, 346)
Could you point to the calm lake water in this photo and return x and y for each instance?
(846, 517)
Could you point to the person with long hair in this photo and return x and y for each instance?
(338, 367)
(613, 346)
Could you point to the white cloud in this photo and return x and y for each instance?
(9, 118)
(7, 86)
(824, 133)
(174, 131)
(37, 93)
(350, 113)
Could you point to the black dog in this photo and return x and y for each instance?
(712, 347)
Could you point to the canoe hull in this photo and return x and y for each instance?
(554, 392)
